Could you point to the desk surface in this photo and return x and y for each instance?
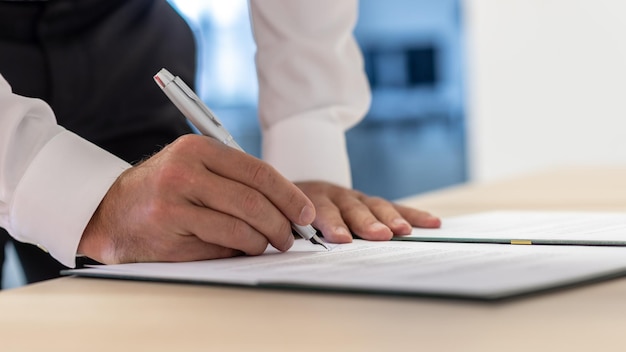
(89, 314)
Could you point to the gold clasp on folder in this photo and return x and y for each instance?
(521, 242)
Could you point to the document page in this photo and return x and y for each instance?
(462, 270)
(583, 228)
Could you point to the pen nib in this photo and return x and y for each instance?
(317, 240)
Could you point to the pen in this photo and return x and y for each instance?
(208, 124)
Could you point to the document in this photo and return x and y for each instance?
(530, 227)
(482, 271)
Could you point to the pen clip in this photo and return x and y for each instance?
(179, 82)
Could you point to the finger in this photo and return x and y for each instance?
(418, 218)
(182, 249)
(169, 247)
(361, 220)
(201, 185)
(235, 165)
(242, 213)
(195, 249)
(330, 222)
(231, 232)
(399, 219)
(387, 214)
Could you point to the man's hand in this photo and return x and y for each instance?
(196, 199)
(341, 211)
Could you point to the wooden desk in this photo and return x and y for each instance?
(92, 315)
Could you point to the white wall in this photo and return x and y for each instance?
(546, 84)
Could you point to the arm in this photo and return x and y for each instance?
(195, 199)
(51, 181)
(312, 88)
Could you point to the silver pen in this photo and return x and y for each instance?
(209, 125)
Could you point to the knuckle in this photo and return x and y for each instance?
(242, 232)
(172, 174)
(157, 210)
(239, 229)
(356, 211)
(167, 176)
(376, 201)
(351, 212)
(186, 145)
(261, 175)
(294, 197)
(252, 203)
(185, 142)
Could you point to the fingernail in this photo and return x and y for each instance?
(400, 222)
(307, 215)
(435, 221)
(343, 233)
(377, 226)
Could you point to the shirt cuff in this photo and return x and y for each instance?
(59, 192)
(308, 148)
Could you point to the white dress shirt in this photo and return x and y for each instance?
(312, 88)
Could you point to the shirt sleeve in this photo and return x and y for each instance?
(51, 180)
(312, 85)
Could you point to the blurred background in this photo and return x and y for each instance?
(411, 141)
(463, 90)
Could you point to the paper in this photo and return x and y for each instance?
(582, 228)
(464, 270)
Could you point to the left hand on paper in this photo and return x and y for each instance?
(342, 211)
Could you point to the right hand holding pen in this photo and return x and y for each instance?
(195, 199)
